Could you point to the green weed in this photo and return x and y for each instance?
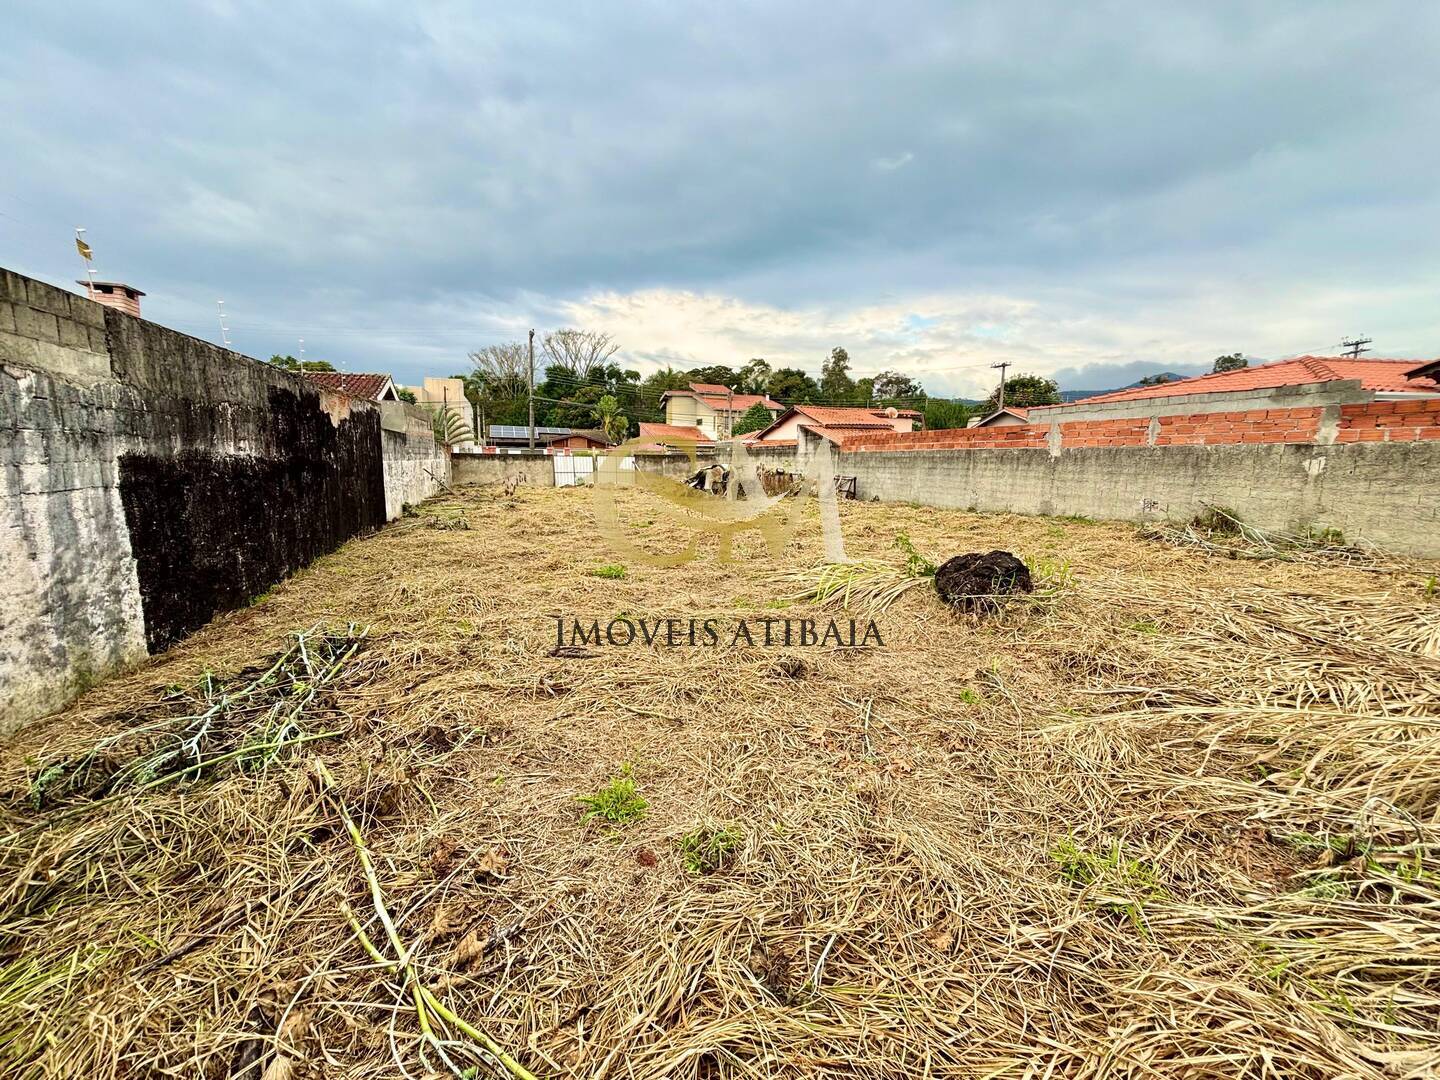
(707, 849)
(1112, 871)
(617, 802)
(610, 571)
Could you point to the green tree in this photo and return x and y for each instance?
(792, 386)
(940, 413)
(405, 395)
(1230, 362)
(754, 377)
(1023, 391)
(613, 424)
(719, 374)
(892, 385)
(755, 418)
(289, 363)
(1157, 380)
(667, 378)
(835, 382)
(577, 410)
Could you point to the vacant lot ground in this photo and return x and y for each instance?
(1175, 815)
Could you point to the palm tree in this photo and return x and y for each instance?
(612, 423)
(449, 428)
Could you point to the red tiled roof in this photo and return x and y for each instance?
(838, 433)
(844, 416)
(356, 385)
(722, 399)
(1375, 375)
(661, 434)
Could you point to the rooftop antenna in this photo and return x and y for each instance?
(224, 330)
(1354, 346)
(85, 253)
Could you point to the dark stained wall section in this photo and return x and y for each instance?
(242, 476)
(211, 532)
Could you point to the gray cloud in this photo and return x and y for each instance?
(397, 183)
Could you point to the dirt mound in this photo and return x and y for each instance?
(971, 582)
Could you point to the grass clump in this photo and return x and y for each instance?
(617, 803)
(610, 571)
(707, 849)
(1131, 879)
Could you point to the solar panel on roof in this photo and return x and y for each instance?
(519, 431)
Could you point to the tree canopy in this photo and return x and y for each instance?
(835, 381)
(755, 418)
(892, 385)
(792, 386)
(1023, 391)
(1230, 362)
(289, 363)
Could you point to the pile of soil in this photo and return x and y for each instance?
(971, 582)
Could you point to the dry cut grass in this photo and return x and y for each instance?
(1179, 816)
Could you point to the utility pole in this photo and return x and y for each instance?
(532, 389)
(1002, 366)
(729, 412)
(1354, 346)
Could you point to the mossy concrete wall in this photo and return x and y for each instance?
(149, 480)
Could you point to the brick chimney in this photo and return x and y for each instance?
(114, 294)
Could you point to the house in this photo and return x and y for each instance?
(712, 408)
(517, 436)
(835, 424)
(672, 436)
(1376, 379)
(579, 439)
(1006, 417)
(368, 386)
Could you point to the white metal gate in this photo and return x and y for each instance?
(571, 470)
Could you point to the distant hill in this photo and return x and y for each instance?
(1080, 395)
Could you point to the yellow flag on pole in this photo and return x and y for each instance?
(84, 249)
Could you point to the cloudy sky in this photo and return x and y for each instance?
(1093, 191)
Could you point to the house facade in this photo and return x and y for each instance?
(712, 408)
(835, 424)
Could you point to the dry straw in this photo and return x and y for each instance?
(1180, 819)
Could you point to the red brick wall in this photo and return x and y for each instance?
(1377, 421)
(1390, 421)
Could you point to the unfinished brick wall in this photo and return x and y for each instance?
(1390, 421)
(1376, 421)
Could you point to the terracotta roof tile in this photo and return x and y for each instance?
(840, 416)
(1375, 375)
(660, 434)
(368, 386)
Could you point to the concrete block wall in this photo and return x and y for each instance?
(535, 466)
(149, 480)
(415, 465)
(1365, 468)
